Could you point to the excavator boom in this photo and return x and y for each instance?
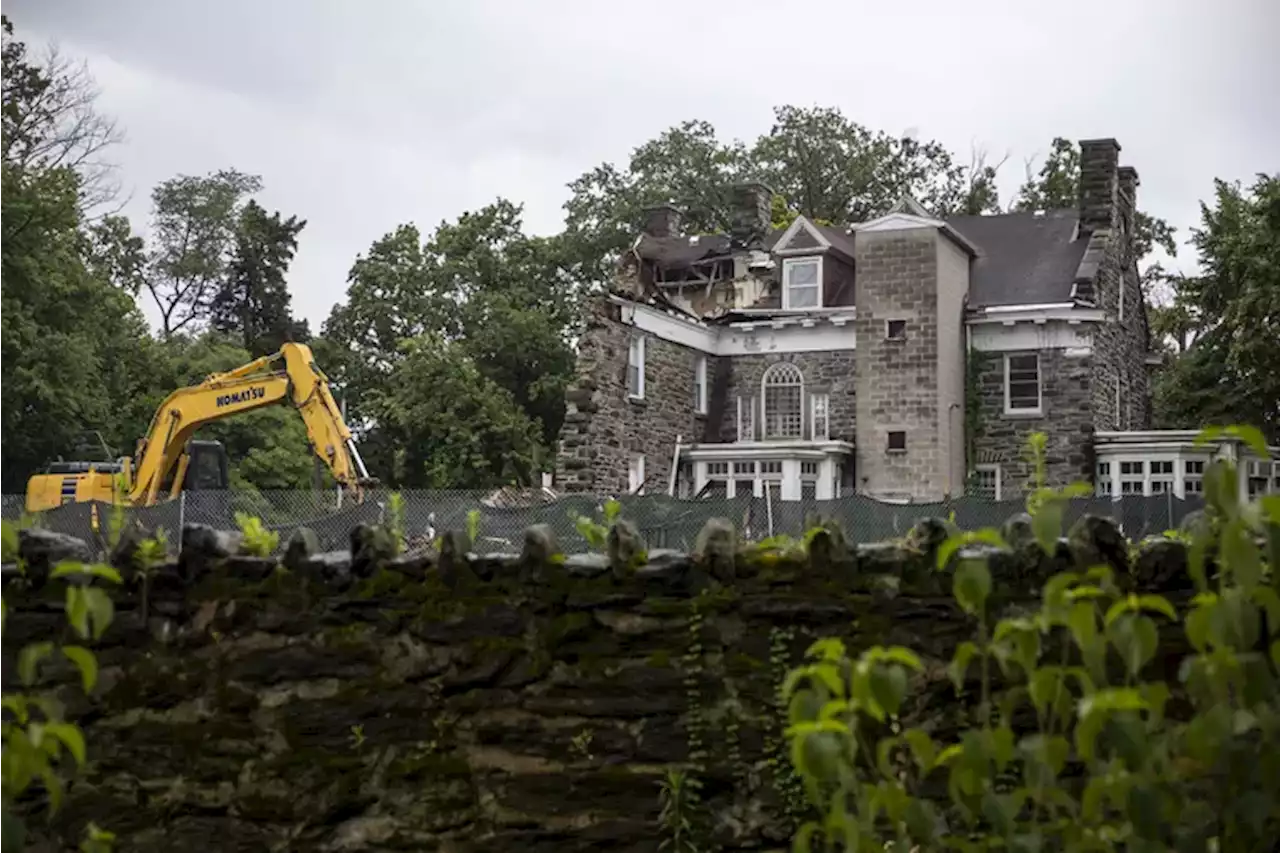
(289, 374)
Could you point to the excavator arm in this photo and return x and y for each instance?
(289, 374)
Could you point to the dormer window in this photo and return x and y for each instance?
(801, 283)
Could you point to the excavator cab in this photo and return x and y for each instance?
(203, 465)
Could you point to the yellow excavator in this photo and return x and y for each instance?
(167, 460)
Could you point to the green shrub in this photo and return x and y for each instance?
(595, 532)
(40, 746)
(258, 540)
(1070, 740)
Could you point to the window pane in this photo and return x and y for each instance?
(804, 297)
(804, 272)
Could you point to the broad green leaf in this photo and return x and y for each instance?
(29, 660)
(972, 585)
(1136, 639)
(827, 648)
(70, 736)
(922, 748)
(101, 609)
(1047, 525)
(947, 549)
(904, 656)
(86, 662)
(959, 666)
(96, 570)
(888, 686)
(1240, 554)
(1157, 604)
(78, 611)
(1083, 623)
(1043, 686)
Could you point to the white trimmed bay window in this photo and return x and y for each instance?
(801, 283)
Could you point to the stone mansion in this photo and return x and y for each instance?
(907, 358)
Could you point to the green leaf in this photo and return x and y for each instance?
(1047, 525)
(86, 662)
(1083, 624)
(99, 570)
(972, 585)
(1157, 604)
(1240, 555)
(1136, 639)
(948, 548)
(922, 746)
(78, 611)
(70, 736)
(827, 648)
(959, 666)
(29, 660)
(100, 608)
(904, 656)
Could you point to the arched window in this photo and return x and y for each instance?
(783, 401)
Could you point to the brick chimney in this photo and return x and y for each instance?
(751, 214)
(662, 220)
(1099, 179)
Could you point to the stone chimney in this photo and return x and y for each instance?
(662, 220)
(751, 215)
(1127, 192)
(1099, 179)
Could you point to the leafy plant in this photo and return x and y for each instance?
(40, 745)
(596, 533)
(680, 797)
(473, 526)
(395, 520)
(1068, 685)
(580, 744)
(8, 542)
(258, 540)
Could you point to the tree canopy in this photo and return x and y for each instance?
(454, 345)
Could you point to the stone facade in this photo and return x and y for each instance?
(897, 380)
(830, 373)
(1066, 420)
(605, 428)
(1074, 298)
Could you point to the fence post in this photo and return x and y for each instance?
(1168, 501)
(182, 517)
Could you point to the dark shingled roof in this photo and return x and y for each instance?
(1022, 258)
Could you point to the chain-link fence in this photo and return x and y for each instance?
(665, 522)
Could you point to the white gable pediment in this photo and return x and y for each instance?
(799, 225)
(899, 222)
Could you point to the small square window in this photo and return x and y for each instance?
(897, 441)
(895, 330)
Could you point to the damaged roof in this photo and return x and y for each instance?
(1023, 258)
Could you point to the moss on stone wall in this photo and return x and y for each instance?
(531, 707)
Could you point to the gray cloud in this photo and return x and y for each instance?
(360, 116)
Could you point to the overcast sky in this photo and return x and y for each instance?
(363, 115)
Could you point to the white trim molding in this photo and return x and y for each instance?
(780, 247)
(791, 263)
(819, 330)
(1008, 397)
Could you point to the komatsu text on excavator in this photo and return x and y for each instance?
(167, 460)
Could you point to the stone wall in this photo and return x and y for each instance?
(831, 373)
(604, 428)
(897, 380)
(1066, 419)
(527, 702)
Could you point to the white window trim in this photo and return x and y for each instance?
(764, 404)
(635, 475)
(813, 416)
(638, 340)
(700, 380)
(995, 469)
(1039, 409)
(787, 264)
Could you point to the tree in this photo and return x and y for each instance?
(443, 424)
(50, 121)
(495, 300)
(194, 223)
(61, 328)
(821, 163)
(254, 301)
(115, 254)
(1230, 372)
